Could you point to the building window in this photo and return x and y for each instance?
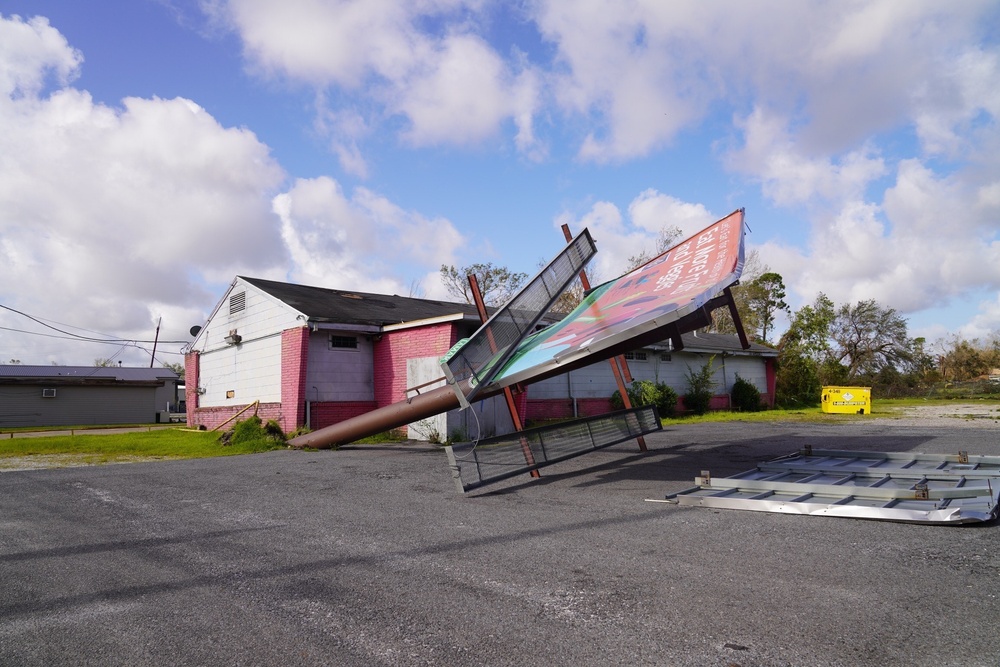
(665, 356)
(343, 342)
(635, 356)
(237, 303)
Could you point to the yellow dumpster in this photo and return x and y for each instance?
(847, 400)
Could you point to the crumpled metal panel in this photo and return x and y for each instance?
(892, 486)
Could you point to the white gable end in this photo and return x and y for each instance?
(240, 347)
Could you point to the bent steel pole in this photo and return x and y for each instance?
(388, 417)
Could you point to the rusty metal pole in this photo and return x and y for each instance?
(619, 366)
(737, 320)
(508, 394)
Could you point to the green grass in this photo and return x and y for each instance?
(171, 443)
(180, 443)
(83, 427)
(881, 407)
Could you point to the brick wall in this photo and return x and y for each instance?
(191, 378)
(213, 417)
(294, 357)
(562, 408)
(396, 347)
(322, 414)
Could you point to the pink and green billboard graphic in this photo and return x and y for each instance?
(672, 285)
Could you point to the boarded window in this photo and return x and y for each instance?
(343, 342)
(237, 303)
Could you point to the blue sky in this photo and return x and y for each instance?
(154, 149)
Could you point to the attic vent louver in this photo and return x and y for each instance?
(237, 303)
(48, 393)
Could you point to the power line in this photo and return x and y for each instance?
(73, 336)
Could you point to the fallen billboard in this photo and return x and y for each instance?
(471, 365)
(649, 298)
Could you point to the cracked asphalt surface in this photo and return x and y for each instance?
(368, 556)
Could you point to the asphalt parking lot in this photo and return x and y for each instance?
(368, 556)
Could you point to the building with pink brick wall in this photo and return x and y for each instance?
(311, 356)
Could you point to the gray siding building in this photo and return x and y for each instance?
(81, 395)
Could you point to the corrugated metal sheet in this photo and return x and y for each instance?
(912, 487)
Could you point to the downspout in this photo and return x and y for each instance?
(725, 382)
(569, 389)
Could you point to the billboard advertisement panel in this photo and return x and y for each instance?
(652, 296)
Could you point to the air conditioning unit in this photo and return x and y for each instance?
(48, 393)
(233, 338)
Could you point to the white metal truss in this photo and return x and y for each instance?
(893, 486)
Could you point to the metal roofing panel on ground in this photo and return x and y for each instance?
(913, 487)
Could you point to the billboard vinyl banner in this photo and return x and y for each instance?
(670, 286)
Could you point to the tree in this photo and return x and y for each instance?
(664, 240)
(765, 298)
(570, 298)
(870, 337)
(100, 362)
(722, 321)
(177, 368)
(701, 386)
(810, 329)
(967, 360)
(496, 283)
(805, 357)
(921, 367)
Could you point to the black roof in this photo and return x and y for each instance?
(697, 341)
(321, 304)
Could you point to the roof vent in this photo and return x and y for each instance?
(48, 393)
(237, 303)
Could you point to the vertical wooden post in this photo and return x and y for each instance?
(619, 365)
(507, 393)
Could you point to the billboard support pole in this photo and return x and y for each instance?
(737, 321)
(619, 366)
(508, 394)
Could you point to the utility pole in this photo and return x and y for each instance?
(152, 357)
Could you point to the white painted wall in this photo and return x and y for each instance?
(418, 371)
(671, 368)
(251, 369)
(483, 419)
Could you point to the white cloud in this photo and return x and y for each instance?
(109, 216)
(985, 324)
(619, 238)
(458, 96)
(652, 211)
(928, 243)
(790, 176)
(646, 70)
(29, 52)
(360, 242)
(112, 217)
(451, 88)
